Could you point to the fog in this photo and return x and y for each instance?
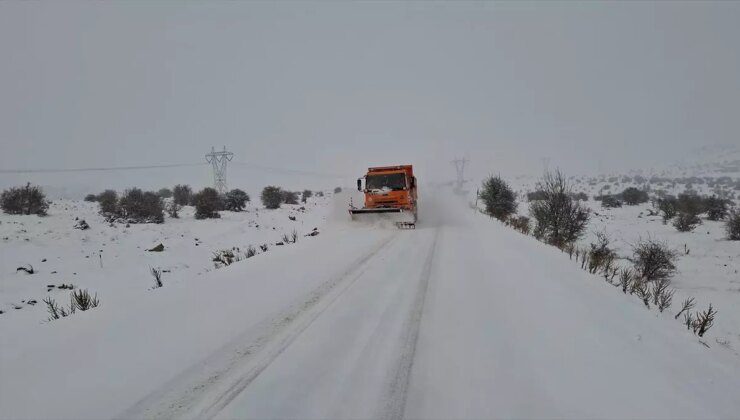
(329, 88)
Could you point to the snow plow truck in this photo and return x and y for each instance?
(390, 194)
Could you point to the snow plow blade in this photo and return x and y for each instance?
(403, 219)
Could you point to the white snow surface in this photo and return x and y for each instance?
(460, 318)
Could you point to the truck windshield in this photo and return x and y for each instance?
(387, 181)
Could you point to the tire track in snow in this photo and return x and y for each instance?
(394, 403)
(187, 395)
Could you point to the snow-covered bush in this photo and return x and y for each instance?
(172, 209)
(686, 221)
(498, 197)
(272, 197)
(559, 219)
(141, 206)
(157, 275)
(207, 204)
(535, 195)
(306, 195)
(732, 226)
(653, 260)
(690, 203)
(235, 200)
(337, 190)
(632, 196)
(26, 200)
(182, 194)
(91, 198)
(108, 202)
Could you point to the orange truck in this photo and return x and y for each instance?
(390, 193)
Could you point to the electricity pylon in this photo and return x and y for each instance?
(219, 160)
(460, 169)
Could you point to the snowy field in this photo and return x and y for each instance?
(460, 318)
(708, 266)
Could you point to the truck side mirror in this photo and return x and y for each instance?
(359, 184)
(413, 182)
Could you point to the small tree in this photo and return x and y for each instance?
(235, 200)
(24, 200)
(716, 208)
(272, 197)
(108, 202)
(165, 192)
(690, 203)
(91, 198)
(207, 204)
(499, 199)
(732, 226)
(559, 220)
(182, 194)
(632, 196)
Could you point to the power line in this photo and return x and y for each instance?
(289, 171)
(99, 169)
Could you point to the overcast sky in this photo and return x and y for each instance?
(334, 87)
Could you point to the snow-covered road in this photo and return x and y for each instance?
(460, 318)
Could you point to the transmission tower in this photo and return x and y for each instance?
(460, 170)
(219, 160)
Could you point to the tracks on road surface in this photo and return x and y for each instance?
(203, 390)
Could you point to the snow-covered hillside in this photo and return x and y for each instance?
(460, 318)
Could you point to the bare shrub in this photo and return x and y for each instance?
(251, 252)
(306, 195)
(236, 200)
(716, 208)
(108, 202)
(641, 289)
(688, 320)
(294, 236)
(610, 201)
(164, 193)
(263, 247)
(182, 194)
(290, 197)
(653, 260)
(600, 256)
(55, 311)
(285, 239)
(226, 257)
(668, 206)
(662, 294)
(633, 196)
(498, 198)
(24, 200)
(140, 206)
(686, 307)
(207, 204)
(704, 321)
(686, 222)
(520, 223)
(626, 278)
(732, 226)
(157, 274)
(560, 220)
(173, 209)
(272, 197)
(82, 300)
